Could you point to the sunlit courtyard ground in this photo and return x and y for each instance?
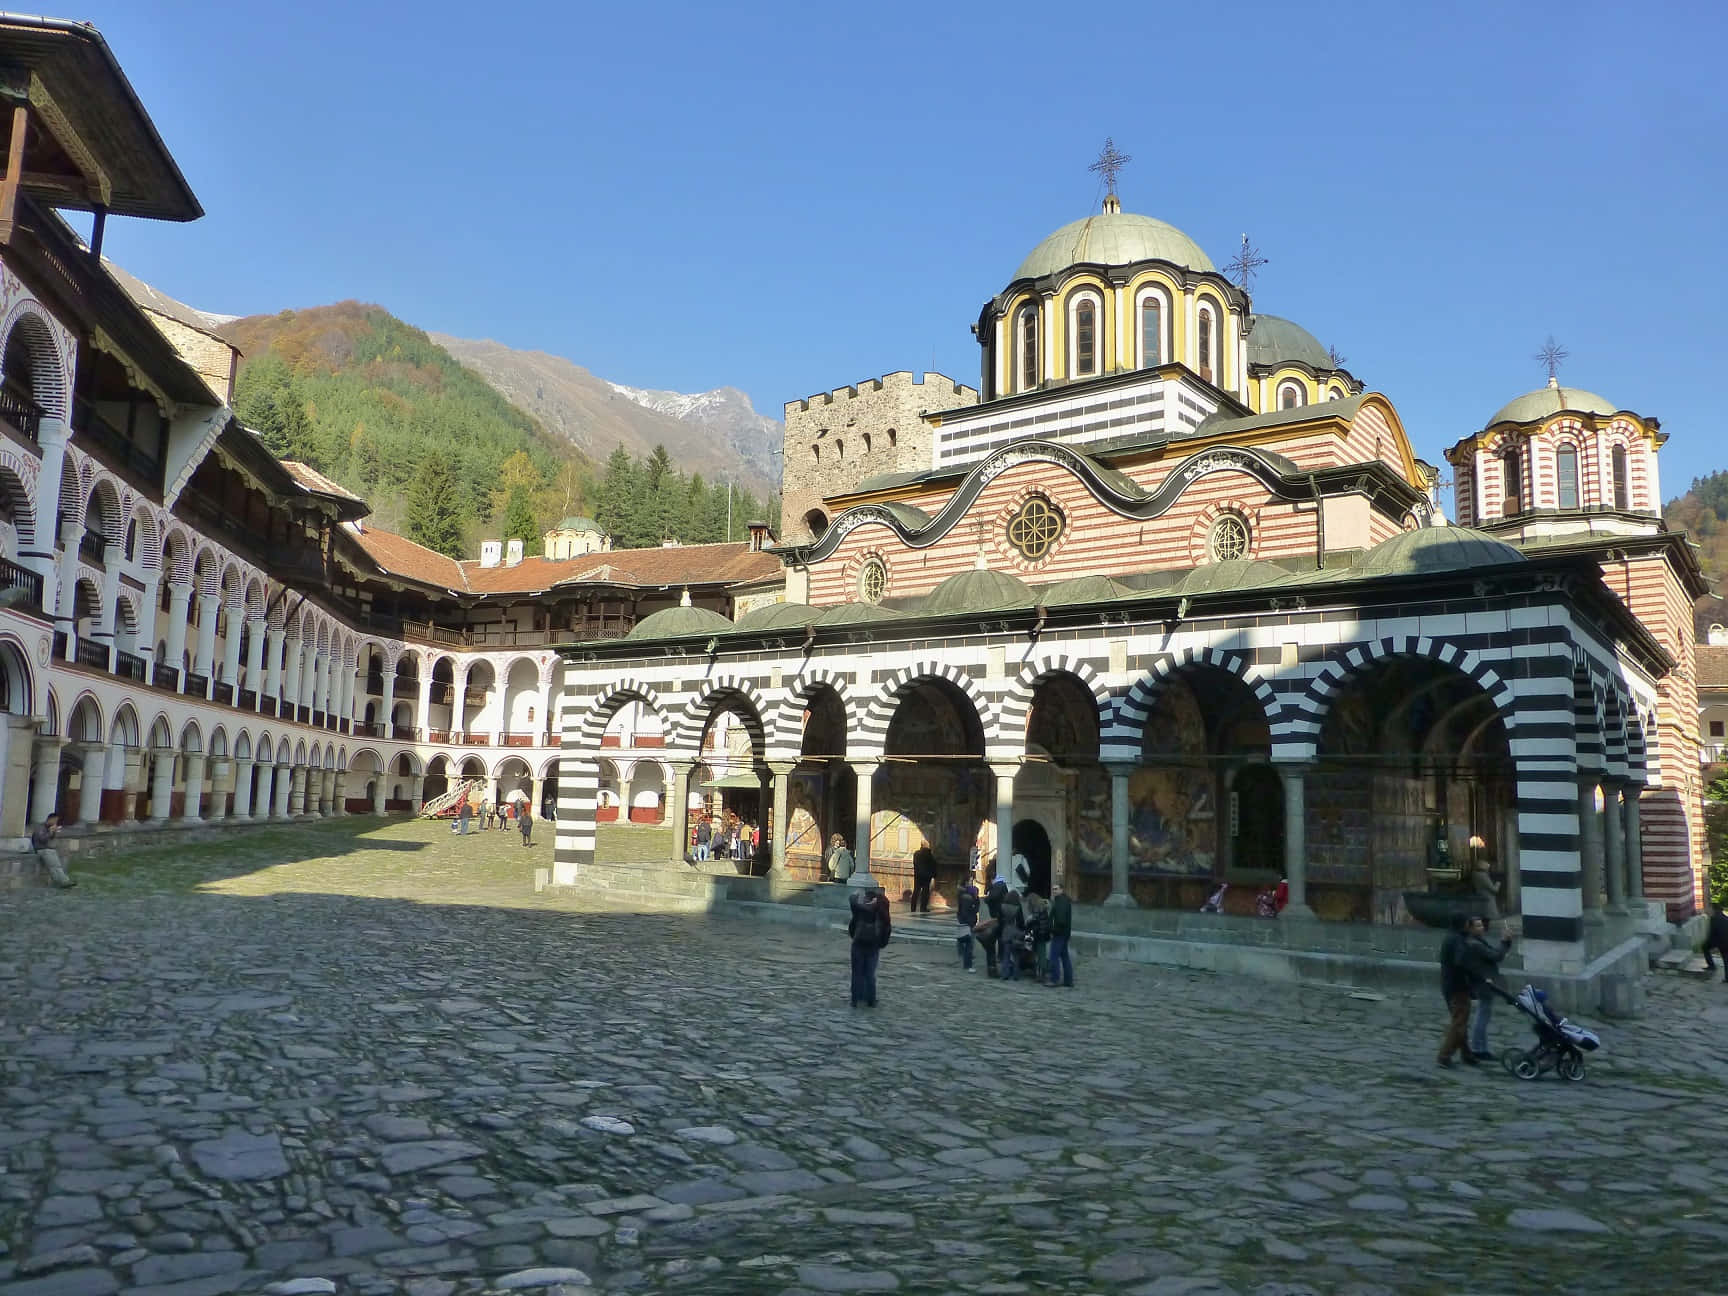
(368, 1052)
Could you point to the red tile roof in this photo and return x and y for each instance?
(676, 565)
(1713, 666)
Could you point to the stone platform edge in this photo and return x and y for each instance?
(1318, 954)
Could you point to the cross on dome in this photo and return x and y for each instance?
(1110, 164)
(1551, 357)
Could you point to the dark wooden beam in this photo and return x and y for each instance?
(14, 172)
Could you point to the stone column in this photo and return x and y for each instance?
(1589, 849)
(308, 673)
(204, 654)
(339, 793)
(678, 811)
(290, 673)
(107, 630)
(296, 791)
(1005, 775)
(283, 791)
(1634, 845)
(266, 792)
(15, 777)
(272, 683)
(174, 646)
(1121, 895)
(66, 618)
(423, 705)
(221, 784)
(162, 785)
(45, 777)
(327, 793)
(416, 783)
(782, 821)
(1294, 778)
(380, 791)
(194, 802)
(864, 773)
(230, 674)
(52, 434)
(1614, 846)
(242, 787)
(90, 785)
(255, 636)
(133, 786)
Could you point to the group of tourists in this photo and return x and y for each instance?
(727, 838)
(503, 815)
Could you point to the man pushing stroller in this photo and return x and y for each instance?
(1469, 968)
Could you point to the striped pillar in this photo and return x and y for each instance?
(1543, 747)
(578, 795)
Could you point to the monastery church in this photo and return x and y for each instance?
(1166, 601)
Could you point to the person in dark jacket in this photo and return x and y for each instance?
(1061, 928)
(869, 930)
(1481, 963)
(1717, 939)
(524, 823)
(966, 914)
(1008, 929)
(988, 933)
(1455, 987)
(923, 877)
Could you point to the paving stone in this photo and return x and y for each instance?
(530, 1278)
(404, 1158)
(238, 1155)
(832, 1278)
(1554, 1221)
(159, 1269)
(66, 1282)
(396, 1128)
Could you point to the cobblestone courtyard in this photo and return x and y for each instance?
(368, 1053)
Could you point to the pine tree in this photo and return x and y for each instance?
(269, 401)
(434, 511)
(519, 521)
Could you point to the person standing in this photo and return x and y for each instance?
(485, 815)
(923, 877)
(463, 815)
(1061, 928)
(1038, 928)
(966, 914)
(704, 835)
(524, 823)
(42, 842)
(1008, 930)
(1481, 963)
(1716, 938)
(839, 859)
(1455, 988)
(988, 935)
(869, 930)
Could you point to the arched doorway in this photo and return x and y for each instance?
(822, 795)
(933, 789)
(1254, 835)
(1032, 843)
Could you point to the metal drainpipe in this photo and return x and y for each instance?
(1319, 523)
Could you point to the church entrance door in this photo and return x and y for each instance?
(1033, 842)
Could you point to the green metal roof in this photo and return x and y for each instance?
(775, 616)
(1084, 589)
(977, 591)
(855, 613)
(1275, 340)
(1436, 549)
(1234, 574)
(1113, 238)
(1533, 407)
(672, 622)
(578, 524)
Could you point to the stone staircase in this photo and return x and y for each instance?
(1683, 962)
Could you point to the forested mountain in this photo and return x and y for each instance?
(1703, 511)
(379, 407)
(715, 433)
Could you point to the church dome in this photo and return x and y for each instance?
(778, 616)
(1274, 341)
(854, 613)
(673, 622)
(1084, 589)
(1231, 574)
(1436, 549)
(1533, 407)
(1113, 238)
(977, 591)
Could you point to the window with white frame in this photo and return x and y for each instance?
(1228, 539)
(1566, 474)
(1026, 348)
(1291, 395)
(1085, 326)
(1151, 330)
(872, 580)
(1205, 341)
(1622, 480)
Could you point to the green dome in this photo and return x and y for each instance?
(1275, 340)
(1533, 407)
(976, 591)
(853, 613)
(1116, 239)
(578, 524)
(1084, 589)
(1436, 549)
(775, 616)
(673, 622)
(1232, 574)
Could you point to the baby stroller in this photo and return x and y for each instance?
(1560, 1045)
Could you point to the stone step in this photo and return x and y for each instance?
(1685, 963)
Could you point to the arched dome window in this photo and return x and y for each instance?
(1085, 338)
(1204, 341)
(1511, 480)
(1291, 396)
(1622, 485)
(1151, 330)
(1026, 348)
(1566, 475)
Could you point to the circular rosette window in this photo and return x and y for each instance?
(1035, 527)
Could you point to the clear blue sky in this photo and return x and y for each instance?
(790, 197)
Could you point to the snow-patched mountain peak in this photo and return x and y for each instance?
(689, 406)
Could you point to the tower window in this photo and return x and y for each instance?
(1151, 332)
(1028, 348)
(1291, 396)
(1203, 342)
(1512, 480)
(1085, 338)
(1566, 472)
(1622, 491)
